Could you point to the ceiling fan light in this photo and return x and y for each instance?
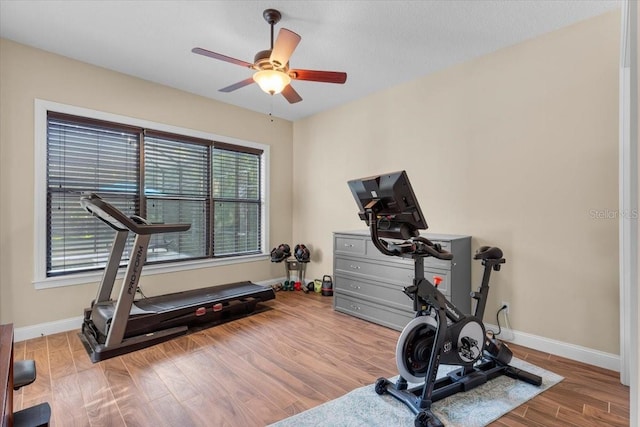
(272, 81)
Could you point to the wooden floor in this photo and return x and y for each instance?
(269, 366)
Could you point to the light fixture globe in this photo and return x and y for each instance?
(272, 81)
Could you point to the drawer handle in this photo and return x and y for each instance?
(355, 307)
(354, 287)
(348, 245)
(355, 267)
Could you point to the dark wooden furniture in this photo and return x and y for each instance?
(6, 373)
(37, 415)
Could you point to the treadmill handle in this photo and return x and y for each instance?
(117, 220)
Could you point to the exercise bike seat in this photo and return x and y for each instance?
(488, 252)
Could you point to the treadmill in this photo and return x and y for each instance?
(111, 328)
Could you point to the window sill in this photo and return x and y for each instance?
(150, 270)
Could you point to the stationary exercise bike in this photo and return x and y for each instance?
(439, 333)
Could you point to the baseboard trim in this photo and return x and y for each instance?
(47, 328)
(560, 348)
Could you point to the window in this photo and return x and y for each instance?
(236, 196)
(177, 190)
(166, 177)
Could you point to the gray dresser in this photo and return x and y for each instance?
(368, 284)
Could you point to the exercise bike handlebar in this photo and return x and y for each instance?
(377, 241)
(117, 220)
(438, 253)
(433, 249)
(419, 246)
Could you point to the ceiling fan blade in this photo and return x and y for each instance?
(284, 46)
(291, 95)
(236, 86)
(319, 76)
(214, 55)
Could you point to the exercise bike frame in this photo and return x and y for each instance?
(429, 301)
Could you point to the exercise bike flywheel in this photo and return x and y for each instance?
(414, 347)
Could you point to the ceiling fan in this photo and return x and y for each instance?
(273, 74)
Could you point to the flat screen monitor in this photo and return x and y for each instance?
(391, 199)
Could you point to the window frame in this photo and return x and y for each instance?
(40, 279)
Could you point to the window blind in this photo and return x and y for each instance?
(85, 157)
(177, 188)
(237, 201)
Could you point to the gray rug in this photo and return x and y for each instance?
(478, 407)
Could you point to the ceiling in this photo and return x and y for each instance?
(378, 43)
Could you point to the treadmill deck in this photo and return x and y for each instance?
(203, 296)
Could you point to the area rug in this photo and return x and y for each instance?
(478, 407)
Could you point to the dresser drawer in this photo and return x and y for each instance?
(383, 315)
(365, 271)
(349, 245)
(373, 291)
(394, 273)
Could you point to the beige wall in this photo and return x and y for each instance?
(518, 149)
(26, 74)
